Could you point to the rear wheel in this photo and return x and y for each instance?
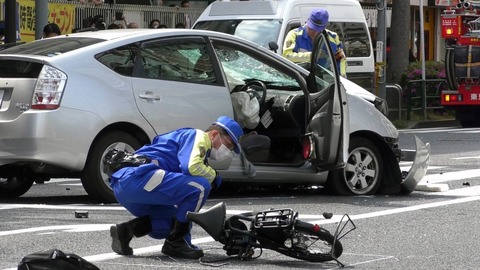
(14, 187)
(312, 243)
(94, 180)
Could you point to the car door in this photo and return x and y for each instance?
(176, 85)
(328, 124)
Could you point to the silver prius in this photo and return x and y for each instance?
(65, 101)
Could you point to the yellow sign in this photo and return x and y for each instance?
(61, 14)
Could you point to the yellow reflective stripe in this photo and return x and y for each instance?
(196, 163)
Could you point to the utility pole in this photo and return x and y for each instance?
(381, 64)
(41, 17)
(10, 21)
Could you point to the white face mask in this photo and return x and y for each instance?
(221, 154)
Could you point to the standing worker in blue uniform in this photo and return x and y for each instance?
(177, 180)
(298, 44)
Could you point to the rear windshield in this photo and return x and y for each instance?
(51, 46)
(354, 36)
(19, 69)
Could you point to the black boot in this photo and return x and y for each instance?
(122, 234)
(176, 245)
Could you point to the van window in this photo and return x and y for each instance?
(354, 37)
(258, 31)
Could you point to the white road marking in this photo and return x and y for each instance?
(450, 176)
(461, 158)
(336, 218)
(441, 129)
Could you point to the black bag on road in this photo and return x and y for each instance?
(55, 259)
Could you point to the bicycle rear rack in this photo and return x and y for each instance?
(274, 218)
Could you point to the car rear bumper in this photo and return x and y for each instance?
(58, 138)
(420, 158)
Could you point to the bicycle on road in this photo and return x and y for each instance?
(245, 235)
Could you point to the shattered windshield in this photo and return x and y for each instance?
(241, 68)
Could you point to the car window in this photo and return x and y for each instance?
(258, 31)
(120, 60)
(180, 60)
(52, 46)
(325, 68)
(353, 36)
(240, 67)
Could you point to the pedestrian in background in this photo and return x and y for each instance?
(51, 30)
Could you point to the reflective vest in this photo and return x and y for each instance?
(298, 47)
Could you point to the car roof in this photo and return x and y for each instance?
(141, 33)
(115, 37)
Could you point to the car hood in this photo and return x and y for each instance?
(355, 89)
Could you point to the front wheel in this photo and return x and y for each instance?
(363, 172)
(312, 243)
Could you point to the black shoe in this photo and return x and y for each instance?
(123, 233)
(121, 237)
(181, 249)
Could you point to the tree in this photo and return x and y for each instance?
(399, 40)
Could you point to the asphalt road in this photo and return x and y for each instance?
(424, 230)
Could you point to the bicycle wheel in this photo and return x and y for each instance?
(313, 244)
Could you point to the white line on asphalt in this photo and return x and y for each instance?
(433, 130)
(461, 158)
(337, 218)
(450, 176)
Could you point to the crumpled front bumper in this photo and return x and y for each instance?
(420, 158)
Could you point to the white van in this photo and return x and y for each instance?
(264, 21)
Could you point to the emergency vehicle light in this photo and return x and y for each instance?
(453, 98)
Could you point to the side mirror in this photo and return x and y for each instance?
(273, 46)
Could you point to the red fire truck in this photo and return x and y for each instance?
(461, 31)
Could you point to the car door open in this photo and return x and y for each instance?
(328, 120)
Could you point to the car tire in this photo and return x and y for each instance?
(358, 178)
(94, 180)
(14, 187)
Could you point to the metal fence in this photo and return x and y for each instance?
(423, 95)
(141, 14)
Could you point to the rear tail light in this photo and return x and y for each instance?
(49, 89)
(307, 147)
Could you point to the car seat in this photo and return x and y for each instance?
(256, 147)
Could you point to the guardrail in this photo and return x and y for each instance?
(141, 14)
(429, 98)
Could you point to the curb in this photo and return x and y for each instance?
(435, 123)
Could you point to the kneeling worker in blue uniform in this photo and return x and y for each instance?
(177, 180)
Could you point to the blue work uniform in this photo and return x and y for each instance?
(176, 181)
(298, 47)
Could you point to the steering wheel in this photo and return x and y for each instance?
(260, 93)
